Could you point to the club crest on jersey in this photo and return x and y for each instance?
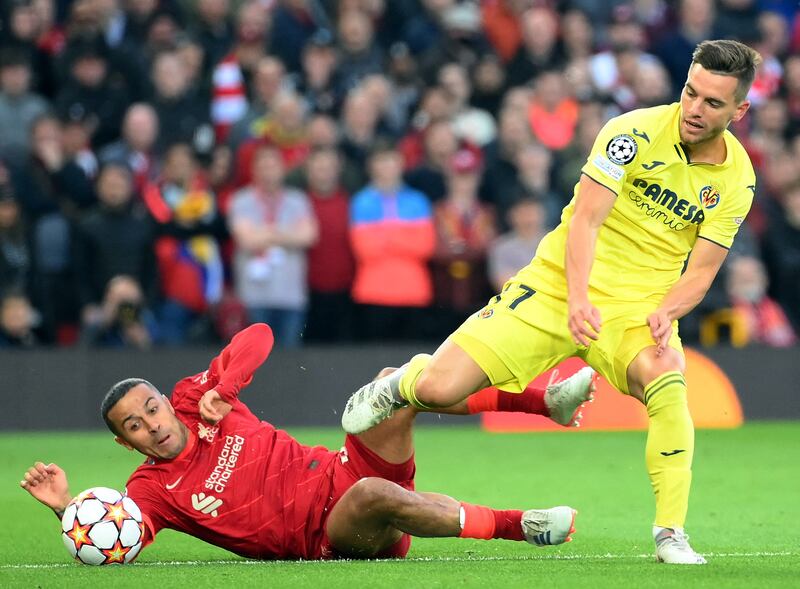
(485, 313)
(622, 149)
(709, 196)
(207, 433)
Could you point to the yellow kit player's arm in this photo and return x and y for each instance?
(704, 263)
(593, 204)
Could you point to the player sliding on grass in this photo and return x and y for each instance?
(216, 472)
(660, 185)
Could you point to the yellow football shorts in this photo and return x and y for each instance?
(522, 333)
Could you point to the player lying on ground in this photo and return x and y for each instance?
(216, 472)
(607, 285)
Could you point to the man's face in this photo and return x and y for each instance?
(114, 187)
(15, 80)
(708, 105)
(147, 423)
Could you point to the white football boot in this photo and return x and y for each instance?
(372, 403)
(672, 547)
(548, 527)
(565, 398)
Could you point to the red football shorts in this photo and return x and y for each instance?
(356, 462)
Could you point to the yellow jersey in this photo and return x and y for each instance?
(665, 202)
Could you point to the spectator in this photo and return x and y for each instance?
(15, 255)
(782, 252)
(500, 179)
(331, 267)
(231, 74)
(17, 322)
(284, 127)
(501, 20)
(295, 23)
(433, 107)
(651, 85)
(123, 319)
(514, 250)
(359, 126)
(115, 238)
(188, 229)
(747, 291)
(20, 34)
(214, 31)
(19, 107)
(470, 124)
(464, 229)
(552, 112)
(359, 54)
(92, 93)
(317, 80)
(441, 145)
(463, 41)
(272, 227)
(534, 180)
(76, 141)
(136, 149)
(393, 238)
(52, 192)
(591, 119)
(577, 34)
(540, 47)
(269, 81)
(424, 30)
(674, 50)
(181, 110)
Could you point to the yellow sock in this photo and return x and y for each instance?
(670, 448)
(408, 382)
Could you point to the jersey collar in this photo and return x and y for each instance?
(683, 153)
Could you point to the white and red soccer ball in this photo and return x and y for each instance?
(101, 526)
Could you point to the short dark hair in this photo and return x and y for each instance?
(729, 58)
(115, 393)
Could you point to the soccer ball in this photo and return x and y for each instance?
(101, 526)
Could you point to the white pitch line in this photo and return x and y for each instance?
(607, 556)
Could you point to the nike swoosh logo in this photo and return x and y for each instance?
(175, 484)
(672, 453)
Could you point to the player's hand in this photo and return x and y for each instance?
(660, 329)
(212, 407)
(47, 483)
(584, 322)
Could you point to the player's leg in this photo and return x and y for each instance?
(507, 344)
(658, 381)
(561, 402)
(373, 515)
(450, 376)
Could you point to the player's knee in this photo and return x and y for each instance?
(370, 495)
(647, 367)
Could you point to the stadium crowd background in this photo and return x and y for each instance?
(172, 170)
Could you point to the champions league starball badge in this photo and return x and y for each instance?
(622, 149)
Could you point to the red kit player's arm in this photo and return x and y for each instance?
(234, 367)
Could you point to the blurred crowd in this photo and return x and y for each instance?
(347, 170)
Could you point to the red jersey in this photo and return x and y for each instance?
(242, 484)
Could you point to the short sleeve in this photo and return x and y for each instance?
(722, 226)
(615, 152)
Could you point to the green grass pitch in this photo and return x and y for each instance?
(744, 515)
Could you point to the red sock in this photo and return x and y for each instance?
(485, 523)
(531, 400)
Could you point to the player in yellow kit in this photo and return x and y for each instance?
(661, 184)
